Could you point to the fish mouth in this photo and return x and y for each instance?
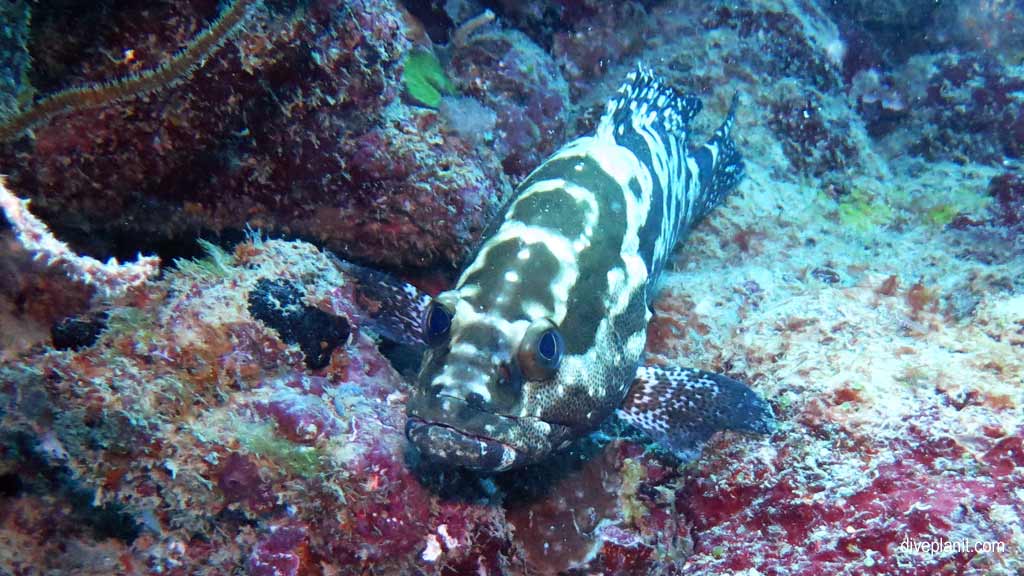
(444, 443)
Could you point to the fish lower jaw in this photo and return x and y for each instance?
(443, 443)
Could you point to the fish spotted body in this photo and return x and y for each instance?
(543, 335)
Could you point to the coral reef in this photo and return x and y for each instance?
(287, 127)
(218, 443)
(231, 415)
(602, 35)
(109, 278)
(198, 419)
(13, 57)
(965, 109)
(511, 75)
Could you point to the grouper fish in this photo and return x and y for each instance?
(542, 337)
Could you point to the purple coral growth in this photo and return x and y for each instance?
(240, 480)
(280, 553)
(1008, 191)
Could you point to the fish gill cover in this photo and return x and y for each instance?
(866, 278)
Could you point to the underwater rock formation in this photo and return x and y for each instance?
(866, 277)
(293, 125)
(217, 443)
(520, 82)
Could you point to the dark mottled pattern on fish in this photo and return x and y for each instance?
(567, 274)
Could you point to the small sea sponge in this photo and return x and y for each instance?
(424, 79)
(469, 118)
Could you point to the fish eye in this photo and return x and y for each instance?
(549, 347)
(541, 350)
(437, 324)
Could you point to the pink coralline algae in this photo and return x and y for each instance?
(300, 420)
(239, 480)
(281, 553)
(909, 496)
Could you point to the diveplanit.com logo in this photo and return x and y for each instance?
(943, 546)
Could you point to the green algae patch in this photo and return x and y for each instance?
(216, 264)
(131, 320)
(942, 215)
(424, 79)
(142, 327)
(861, 212)
(262, 440)
(940, 210)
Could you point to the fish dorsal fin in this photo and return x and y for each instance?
(645, 101)
(682, 408)
(390, 307)
(719, 164)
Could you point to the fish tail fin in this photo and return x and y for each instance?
(682, 408)
(720, 163)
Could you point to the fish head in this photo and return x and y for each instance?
(469, 407)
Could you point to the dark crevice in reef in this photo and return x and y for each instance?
(77, 332)
(10, 485)
(33, 476)
(404, 359)
(436, 22)
(127, 238)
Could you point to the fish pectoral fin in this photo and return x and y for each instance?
(681, 408)
(386, 305)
